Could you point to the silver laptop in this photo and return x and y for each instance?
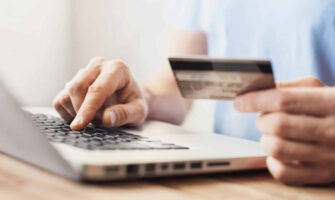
(98, 154)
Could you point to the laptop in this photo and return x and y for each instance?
(154, 149)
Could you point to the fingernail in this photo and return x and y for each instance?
(238, 104)
(113, 118)
(77, 120)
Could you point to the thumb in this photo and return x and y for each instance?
(302, 82)
(133, 113)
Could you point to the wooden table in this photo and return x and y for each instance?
(19, 180)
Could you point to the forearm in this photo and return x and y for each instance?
(161, 93)
(165, 102)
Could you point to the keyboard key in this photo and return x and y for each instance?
(86, 135)
(48, 131)
(97, 130)
(74, 132)
(60, 133)
(99, 135)
(111, 142)
(97, 139)
(82, 139)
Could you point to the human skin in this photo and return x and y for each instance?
(298, 122)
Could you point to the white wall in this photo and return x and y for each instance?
(44, 42)
(35, 48)
(123, 29)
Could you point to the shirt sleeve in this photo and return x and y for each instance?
(185, 14)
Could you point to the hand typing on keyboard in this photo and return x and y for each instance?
(104, 92)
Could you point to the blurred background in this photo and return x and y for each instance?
(44, 42)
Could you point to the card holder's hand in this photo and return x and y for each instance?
(302, 82)
(293, 94)
(103, 92)
(298, 123)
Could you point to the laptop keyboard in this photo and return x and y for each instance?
(95, 138)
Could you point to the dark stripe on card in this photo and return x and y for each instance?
(251, 66)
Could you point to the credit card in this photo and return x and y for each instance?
(213, 78)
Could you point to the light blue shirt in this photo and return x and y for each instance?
(298, 36)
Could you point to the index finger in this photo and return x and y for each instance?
(78, 86)
(312, 101)
(302, 82)
(110, 80)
